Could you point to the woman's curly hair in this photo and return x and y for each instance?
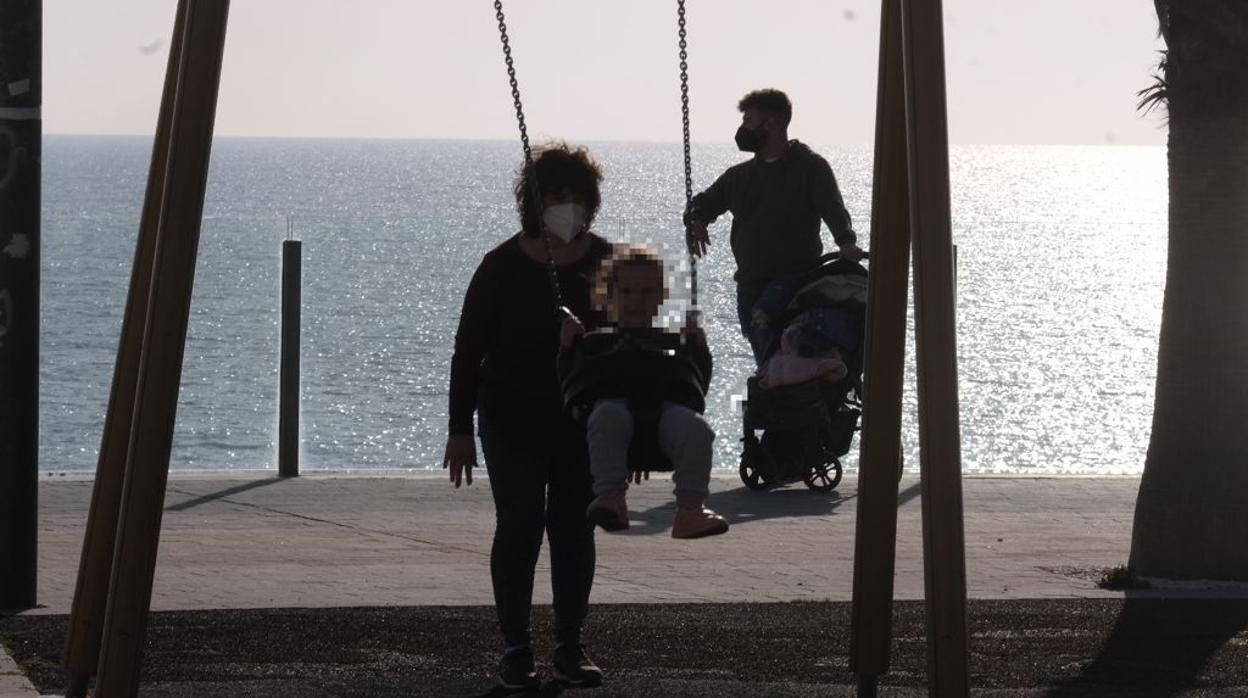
(559, 167)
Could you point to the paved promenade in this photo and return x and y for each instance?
(358, 586)
(328, 541)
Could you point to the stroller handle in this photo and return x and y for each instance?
(835, 255)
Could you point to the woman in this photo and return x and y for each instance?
(504, 369)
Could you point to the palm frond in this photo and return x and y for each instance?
(1157, 94)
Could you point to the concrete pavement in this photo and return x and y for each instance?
(326, 541)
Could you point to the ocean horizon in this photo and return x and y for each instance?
(1061, 253)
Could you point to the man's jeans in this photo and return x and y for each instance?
(746, 298)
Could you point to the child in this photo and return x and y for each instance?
(631, 287)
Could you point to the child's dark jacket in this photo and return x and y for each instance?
(645, 366)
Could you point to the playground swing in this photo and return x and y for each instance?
(634, 372)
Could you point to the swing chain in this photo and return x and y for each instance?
(515, 84)
(684, 115)
(530, 171)
(684, 99)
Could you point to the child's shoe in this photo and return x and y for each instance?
(697, 522)
(609, 510)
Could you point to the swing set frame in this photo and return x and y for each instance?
(910, 214)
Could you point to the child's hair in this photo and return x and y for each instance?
(624, 256)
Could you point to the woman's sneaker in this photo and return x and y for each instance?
(574, 668)
(516, 671)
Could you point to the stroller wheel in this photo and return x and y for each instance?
(824, 477)
(752, 470)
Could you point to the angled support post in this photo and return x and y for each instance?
(192, 110)
(876, 541)
(944, 552)
(910, 204)
(86, 621)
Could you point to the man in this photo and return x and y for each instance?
(777, 199)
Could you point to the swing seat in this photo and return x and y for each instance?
(643, 450)
(644, 379)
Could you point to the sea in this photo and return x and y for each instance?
(1060, 275)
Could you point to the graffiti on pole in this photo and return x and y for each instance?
(9, 153)
(6, 314)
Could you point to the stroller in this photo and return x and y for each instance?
(806, 427)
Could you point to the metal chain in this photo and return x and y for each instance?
(684, 115)
(530, 172)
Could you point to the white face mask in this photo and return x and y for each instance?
(565, 221)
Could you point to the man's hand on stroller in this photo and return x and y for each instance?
(852, 252)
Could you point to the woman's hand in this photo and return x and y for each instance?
(460, 457)
(570, 330)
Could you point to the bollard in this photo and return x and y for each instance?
(288, 400)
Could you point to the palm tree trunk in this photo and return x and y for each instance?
(1191, 517)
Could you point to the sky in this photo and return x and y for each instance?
(1019, 71)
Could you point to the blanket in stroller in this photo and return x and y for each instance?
(809, 325)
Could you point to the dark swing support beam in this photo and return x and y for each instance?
(910, 206)
(108, 621)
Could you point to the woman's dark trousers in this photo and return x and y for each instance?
(539, 485)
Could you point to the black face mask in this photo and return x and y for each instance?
(748, 140)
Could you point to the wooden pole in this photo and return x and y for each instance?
(288, 383)
(21, 133)
(876, 541)
(86, 621)
(138, 533)
(944, 554)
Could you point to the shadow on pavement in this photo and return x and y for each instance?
(741, 506)
(229, 491)
(1161, 647)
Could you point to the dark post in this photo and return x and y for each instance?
(193, 109)
(944, 553)
(875, 543)
(288, 408)
(86, 622)
(21, 132)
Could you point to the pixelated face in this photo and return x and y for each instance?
(639, 293)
